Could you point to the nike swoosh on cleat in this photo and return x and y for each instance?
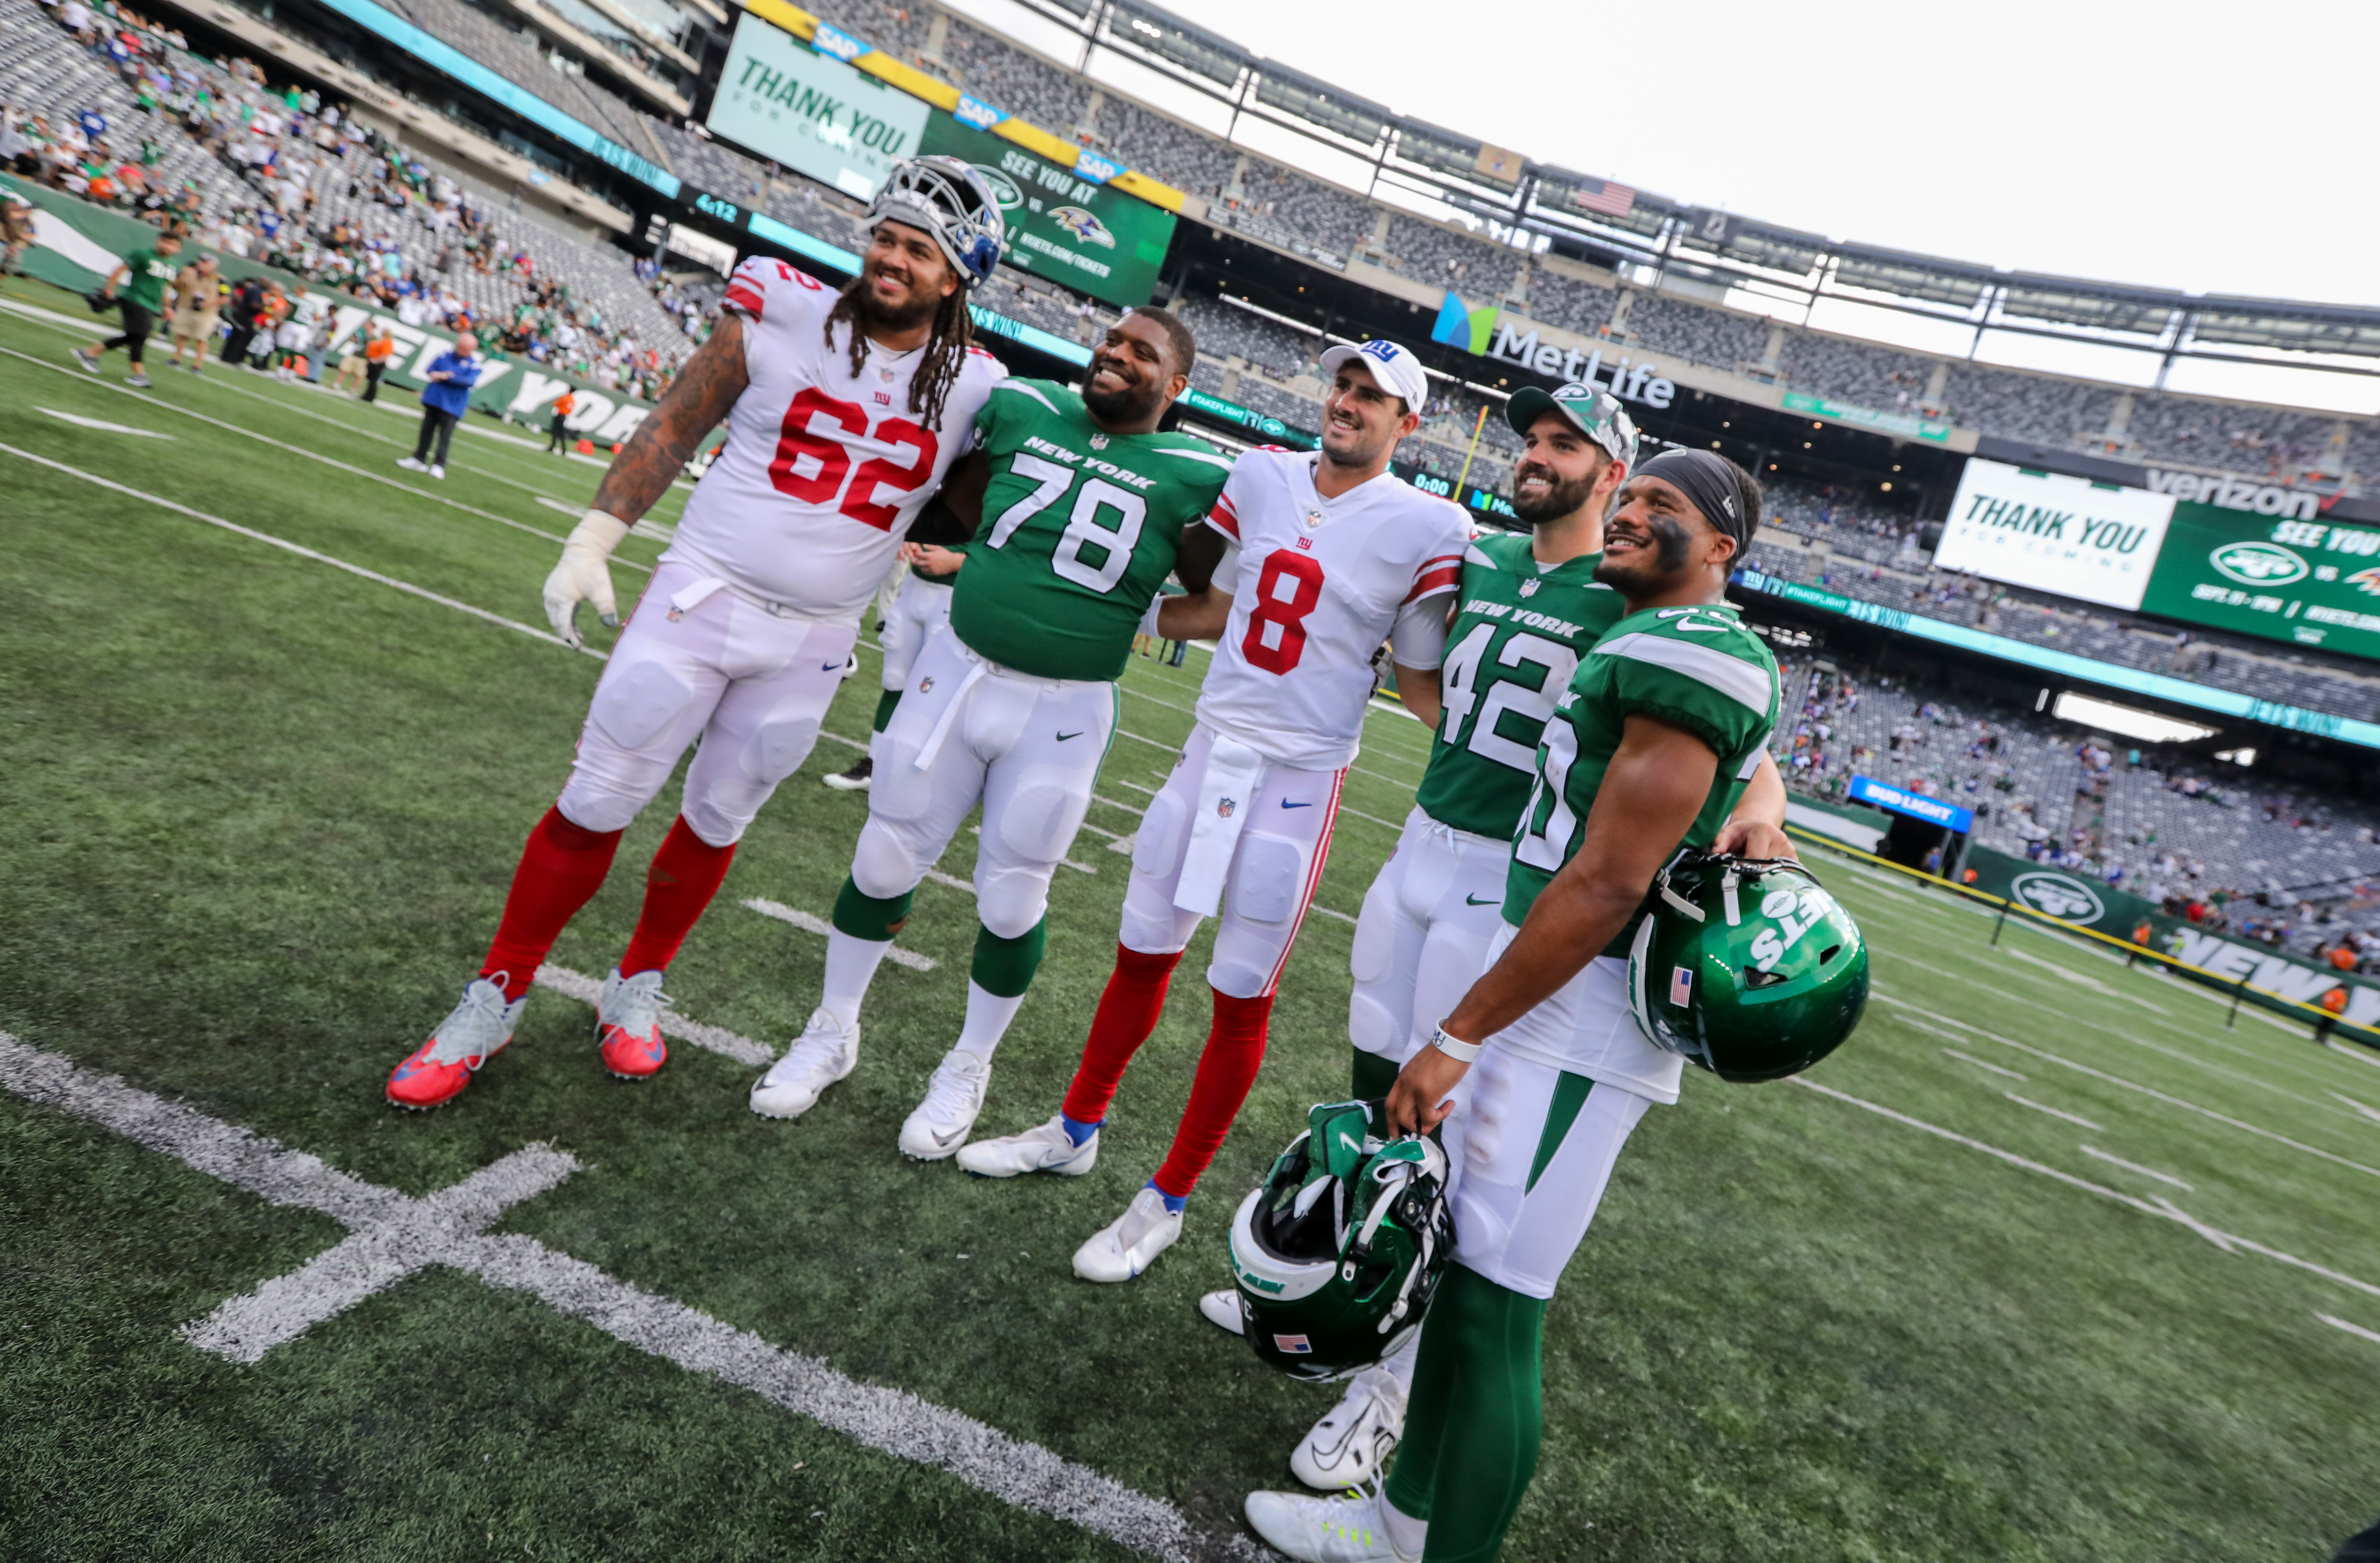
(1286, 804)
(1475, 901)
(1063, 736)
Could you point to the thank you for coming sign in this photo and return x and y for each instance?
(2072, 536)
(810, 112)
(1917, 806)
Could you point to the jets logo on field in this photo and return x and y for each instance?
(1223, 809)
(1529, 588)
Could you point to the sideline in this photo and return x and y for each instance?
(393, 1235)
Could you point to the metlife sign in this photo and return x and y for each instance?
(2055, 533)
(1484, 331)
(812, 113)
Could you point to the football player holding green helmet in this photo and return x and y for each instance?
(1337, 1253)
(1749, 969)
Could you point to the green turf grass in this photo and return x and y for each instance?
(260, 818)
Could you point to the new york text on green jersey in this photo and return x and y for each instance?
(1080, 528)
(1694, 668)
(1517, 638)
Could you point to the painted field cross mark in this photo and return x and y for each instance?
(394, 1235)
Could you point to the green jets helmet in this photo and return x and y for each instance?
(1747, 967)
(1336, 1255)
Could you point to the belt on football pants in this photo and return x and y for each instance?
(1226, 789)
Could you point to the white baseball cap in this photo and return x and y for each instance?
(1399, 372)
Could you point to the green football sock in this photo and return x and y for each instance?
(865, 916)
(1004, 967)
(1475, 1418)
(885, 703)
(1371, 1077)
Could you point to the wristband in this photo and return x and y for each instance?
(1461, 1052)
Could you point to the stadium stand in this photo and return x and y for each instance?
(1572, 305)
(1692, 331)
(1853, 372)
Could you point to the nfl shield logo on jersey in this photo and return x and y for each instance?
(1223, 809)
(1098, 441)
(1529, 588)
(926, 685)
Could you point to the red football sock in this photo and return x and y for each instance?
(1127, 1013)
(1235, 1045)
(560, 869)
(685, 875)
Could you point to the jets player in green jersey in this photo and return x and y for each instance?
(1528, 610)
(1077, 506)
(1538, 1072)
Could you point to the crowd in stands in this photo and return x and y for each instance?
(2274, 867)
(289, 180)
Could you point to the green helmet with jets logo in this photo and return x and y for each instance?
(1749, 968)
(1336, 1255)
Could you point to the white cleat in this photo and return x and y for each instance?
(412, 465)
(439, 473)
(1130, 1244)
(1221, 1308)
(1353, 1444)
(821, 1055)
(1046, 1147)
(1331, 1529)
(942, 1120)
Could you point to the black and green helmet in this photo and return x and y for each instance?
(1747, 967)
(1337, 1254)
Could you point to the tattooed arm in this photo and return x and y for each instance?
(691, 408)
(642, 474)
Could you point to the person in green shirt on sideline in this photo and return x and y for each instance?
(1077, 506)
(141, 279)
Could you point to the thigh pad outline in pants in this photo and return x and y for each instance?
(1035, 794)
(659, 688)
(1514, 1228)
(767, 722)
(1151, 923)
(913, 813)
(1273, 871)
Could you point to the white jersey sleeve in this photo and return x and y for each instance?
(824, 468)
(1320, 584)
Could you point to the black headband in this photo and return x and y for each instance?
(1711, 483)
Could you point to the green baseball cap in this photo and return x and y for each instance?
(1592, 410)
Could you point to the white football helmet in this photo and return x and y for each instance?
(947, 197)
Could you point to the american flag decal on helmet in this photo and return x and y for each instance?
(1295, 1345)
(1681, 986)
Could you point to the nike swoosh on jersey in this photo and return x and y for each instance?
(1287, 803)
(1475, 901)
(1063, 736)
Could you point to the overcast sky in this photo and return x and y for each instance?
(2216, 148)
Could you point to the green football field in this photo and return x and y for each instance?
(2048, 1262)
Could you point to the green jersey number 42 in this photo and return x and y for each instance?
(1460, 688)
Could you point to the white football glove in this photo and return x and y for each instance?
(583, 576)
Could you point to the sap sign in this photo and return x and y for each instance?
(1917, 806)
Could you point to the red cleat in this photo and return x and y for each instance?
(629, 1025)
(479, 1028)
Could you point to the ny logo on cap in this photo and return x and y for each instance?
(1384, 351)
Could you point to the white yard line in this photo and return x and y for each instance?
(2134, 1167)
(2162, 1209)
(1979, 1063)
(2370, 1112)
(301, 550)
(821, 927)
(394, 1235)
(101, 424)
(2054, 1112)
(726, 1043)
(312, 456)
(2373, 1336)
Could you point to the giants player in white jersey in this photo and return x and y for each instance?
(1325, 554)
(843, 412)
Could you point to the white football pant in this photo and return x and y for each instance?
(969, 731)
(1432, 911)
(1233, 833)
(920, 609)
(1531, 1147)
(698, 659)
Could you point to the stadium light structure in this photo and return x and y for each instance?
(1919, 277)
(1187, 45)
(2071, 301)
(1753, 244)
(2271, 322)
(1342, 113)
(2126, 722)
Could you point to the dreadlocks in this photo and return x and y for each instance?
(944, 355)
